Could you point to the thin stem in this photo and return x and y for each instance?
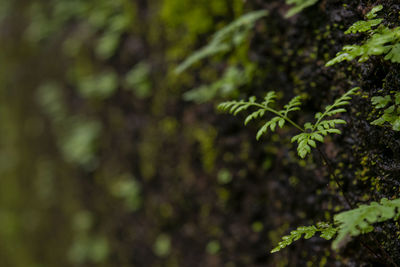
(371, 250)
(318, 121)
(387, 256)
(330, 170)
(279, 114)
(323, 115)
(332, 173)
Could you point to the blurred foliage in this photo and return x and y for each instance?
(225, 39)
(162, 245)
(86, 90)
(298, 6)
(227, 86)
(138, 80)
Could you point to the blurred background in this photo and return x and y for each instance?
(108, 157)
(102, 162)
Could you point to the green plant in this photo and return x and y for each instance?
(225, 39)
(359, 221)
(391, 114)
(382, 41)
(310, 133)
(327, 231)
(226, 86)
(138, 80)
(348, 224)
(299, 5)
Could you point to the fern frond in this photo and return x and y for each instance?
(245, 22)
(279, 120)
(374, 10)
(343, 100)
(226, 105)
(394, 54)
(381, 102)
(391, 114)
(293, 105)
(225, 39)
(257, 114)
(363, 26)
(382, 41)
(349, 224)
(311, 133)
(329, 124)
(336, 111)
(360, 220)
(201, 54)
(271, 124)
(269, 98)
(305, 142)
(299, 5)
(333, 109)
(322, 127)
(327, 231)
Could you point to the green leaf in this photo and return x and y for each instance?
(232, 79)
(380, 102)
(378, 122)
(254, 115)
(363, 26)
(382, 40)
(390, 110)
(281, 122)
(396, 124)
(299, 5)
(327, 231)
(293, 105)
(335, 131)
(225, 39)
(100, 86)
(269, 98)
(372, 13)
(348, 53)
(296, 137)
(390, 117)
(397, 98)
(312, 143)
(273, 126)
(394, 54)
(359, 220)
(138, 80)
(262, 130)
(318, 137)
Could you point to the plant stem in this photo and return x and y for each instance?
(332, 173)
(279, 114)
